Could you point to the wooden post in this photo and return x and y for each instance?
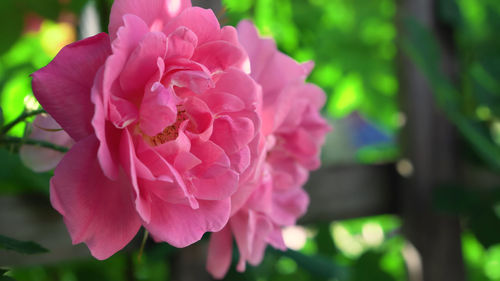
(430, 145)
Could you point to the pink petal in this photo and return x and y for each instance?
(250, 232)
(63, 87)
(275, 238)
(194, 80)
(271, 68)
(169, 185)
(201, 21)
(41, 159)
(158, 109)
(219, 55)
(260, 50)
(261, 198)
(308, 66)
(180, 225)
(240, 160)
(134, 168)
(286, 172)
(127, 39)
(141, 64)
(220, 251)
(107, 134)
(263, 229)
(303, 145)
(201, 119)
(236, 82)
(181, 43)
(186, 161)
(223, 102)
(171, 148)
(288, 206)
(243, 228)
(230, 34)
(213, 179)
(122, 112)
(232, 134)
(96, 211)
(155, 13)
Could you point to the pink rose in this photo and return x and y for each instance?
(165, 121)
(293, 132)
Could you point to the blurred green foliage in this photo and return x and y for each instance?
(351, 42)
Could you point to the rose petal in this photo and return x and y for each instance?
(220, 251)
(181, 43)
(155, 13)
(141, 64)
(134, 168)
(201, 21)
(180, 225)
(212, 179)
(63, 87)
(219, 55)
(237, 132)
(158, 109)
(96, 211)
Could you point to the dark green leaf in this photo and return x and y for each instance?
(315, 264)
(6, 278)
(76, 6)
(449, 11)
(367, 267)
(423, 49)
(324, 240)
(2, 120)
(16, 178)
(485, 225)
(49, 9)
(457, 200)
(25, 247)
(11, 23)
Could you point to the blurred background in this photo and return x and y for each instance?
(410, 183)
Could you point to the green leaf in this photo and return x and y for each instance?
(6, 278)
(485, 225)
(16, 178)
(25, 247)
(76, 6)
(477, 206)
(324, 240)
(11, 23)
(367, 267)
(2, 120)
(421, 46)
(315, 264)
(49, 9)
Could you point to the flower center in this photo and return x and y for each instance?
(171, 132)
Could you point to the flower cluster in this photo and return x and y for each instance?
(182, 127)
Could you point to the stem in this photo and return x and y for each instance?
(34, 142)
(21, 117)
(143, 243)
